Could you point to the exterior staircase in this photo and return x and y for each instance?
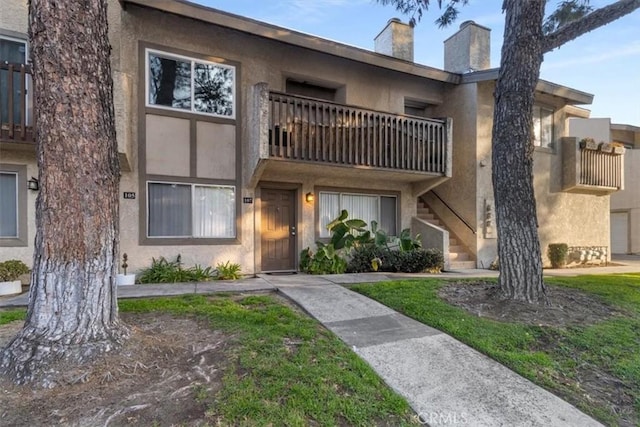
(459, 257)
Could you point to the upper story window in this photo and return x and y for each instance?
(304, 88)
(414, 107)
(193, 85)
(542, 127)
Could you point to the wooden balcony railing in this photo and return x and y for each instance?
(15, 122)
(600, 169)
(306, 129)
(590, 170)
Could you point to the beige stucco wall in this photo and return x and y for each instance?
(596, 128)
(628, 200)
(460, 191)
(14, 16)
(576, 219)
(259, 61)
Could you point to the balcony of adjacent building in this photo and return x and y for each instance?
(589, 167)
(16, 118)
(306, 136)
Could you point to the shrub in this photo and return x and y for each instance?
(12, 269)
(557, 253)
(362, 259)
(326, 260)
(228, 271)
(163, 271)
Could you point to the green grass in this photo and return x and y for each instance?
(285, 368)
(552, 357)
(10, 315)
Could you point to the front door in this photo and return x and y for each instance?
(278, 230)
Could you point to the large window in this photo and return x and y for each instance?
(542, 127)
(193, 85)
(8, 205)
(367, 207)
(190, 210)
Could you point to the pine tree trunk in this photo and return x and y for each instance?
(72, 314)
(518, 243)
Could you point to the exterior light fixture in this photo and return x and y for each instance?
(33, 184)
(309, 197)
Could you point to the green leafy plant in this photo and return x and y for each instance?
(329, 258)
(12, 269)
(228, 271)
(163, 271)
(557, 253)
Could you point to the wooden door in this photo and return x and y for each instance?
(278, 230)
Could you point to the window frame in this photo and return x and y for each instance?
(21, 240)
(354, 192)
(551, 145)
(193, 60)
(190, 238)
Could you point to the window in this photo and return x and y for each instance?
(310, 90)
(192, 85)
(367, 207)
(190, 210)
(8, 205)
(414, 107)
(542, 127)
(13, 51)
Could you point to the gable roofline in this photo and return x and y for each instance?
(285, 35)
(573, 96)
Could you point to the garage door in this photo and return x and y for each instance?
(619, 232)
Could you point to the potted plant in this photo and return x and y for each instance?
(9, 273)
(125, 279)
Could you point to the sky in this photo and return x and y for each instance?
(605, 62)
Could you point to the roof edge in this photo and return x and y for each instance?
(574, 96)
(285, 35)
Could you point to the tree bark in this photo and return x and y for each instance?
(512, 156)
(72, 314)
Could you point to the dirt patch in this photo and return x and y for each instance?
(166, 374)
(567, 306)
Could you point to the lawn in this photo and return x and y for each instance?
(280, 366)
(596, 367)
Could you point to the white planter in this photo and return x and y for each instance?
(9, 288)
(126, 279)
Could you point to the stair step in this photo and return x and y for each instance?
(461, 265)
(458, 256)
(433, 221)
(456, 248)
(452, 241)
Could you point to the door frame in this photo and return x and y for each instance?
(297, 209)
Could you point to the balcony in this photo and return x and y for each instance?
(591, 169)
(15, 104)
(309, 130)
(302, 136)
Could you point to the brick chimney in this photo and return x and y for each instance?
(469, 49)
(396, 39)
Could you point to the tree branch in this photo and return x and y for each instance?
(590, 22)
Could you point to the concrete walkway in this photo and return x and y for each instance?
(445, 381)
